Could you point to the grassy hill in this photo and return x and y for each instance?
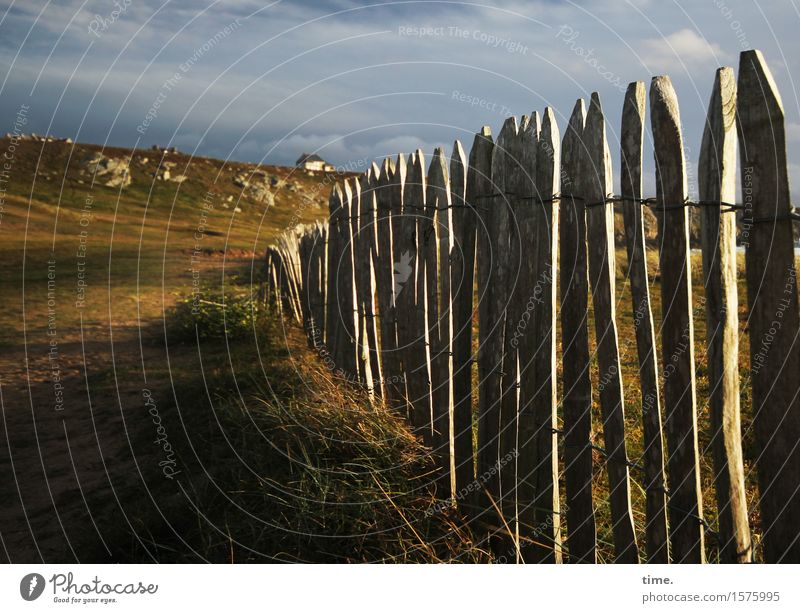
(137, 239)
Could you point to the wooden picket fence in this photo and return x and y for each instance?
(389, 287)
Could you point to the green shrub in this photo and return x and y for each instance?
(213, 315)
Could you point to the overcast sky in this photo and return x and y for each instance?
(263, 81)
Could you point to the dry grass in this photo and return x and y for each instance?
(300, 468)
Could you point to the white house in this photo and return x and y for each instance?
(311, 161)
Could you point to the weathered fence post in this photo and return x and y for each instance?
(403, 228)
(312, 278)
(773, 309)
(384, 271)
(520, 382)
(286, 283)
(717, 184)
(677, 328)
(438, 244)
(331, 274)
(597, 184)
(269, 296)
(501, 293)
(417, 362)
(631, 139)
(366, 264)
(479, 195)
(401, 270)
(276, 293)
(542, 522)
(577, 395)
(320, 247)
(462, 275)
(345, 296)
(359, 198)
(520, 163)
(304, 242)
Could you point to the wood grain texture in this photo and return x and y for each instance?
(462, 280)
(577, 384)
(383, 262)
(320, 255)
(335, 323)
(345, 296)
(360, 249)
(438, 244)
(417, 369)
(677, 331)
(717, 183)
(402, 270)
(772, 302)
(631, 139)
(334, 214)
(522, 341)
(304, 252)
(497, 223)
(538, 391)
(479, 194)
(597, 183)
(363, 206)
(507, 176)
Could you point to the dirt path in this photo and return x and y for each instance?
(72, 458)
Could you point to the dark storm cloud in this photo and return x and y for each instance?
(357, 80)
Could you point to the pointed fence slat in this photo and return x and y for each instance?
(631, 139)
(344, 299)
(538, 388)
(305, 243)
(773, 310)
(438, 241)
(384, 265)
(332, 321)
(597, 184)
(318, 278)
(577, 385)
(417, 362)
(366, 266)
(717, 183)
(393, 377)
(462, 275)
(521, 341)
(404, 250)
(520, 172)
(428, 301)
(677, 327)
(361, 196)
(480, 192)
(310, 244)
(548, 179)
(505, 164)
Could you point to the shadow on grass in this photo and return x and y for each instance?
(273, 460)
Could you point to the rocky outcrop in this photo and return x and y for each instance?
(115, 172)
(39, 138)
(257, 185)
(165, 173)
